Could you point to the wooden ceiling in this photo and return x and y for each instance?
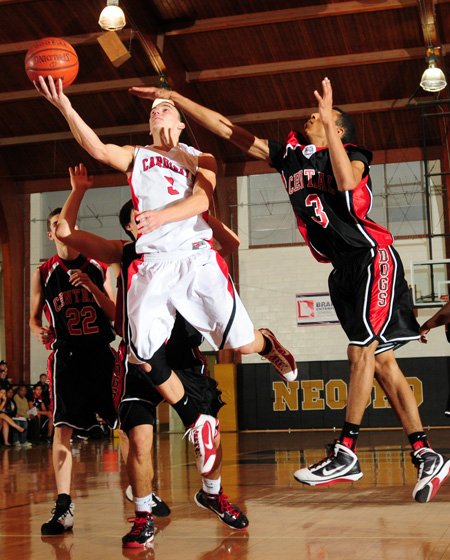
(257, 61)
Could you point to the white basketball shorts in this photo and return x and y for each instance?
(199, 287)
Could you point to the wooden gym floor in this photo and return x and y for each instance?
(373, 519)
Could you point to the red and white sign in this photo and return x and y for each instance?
(315, 309)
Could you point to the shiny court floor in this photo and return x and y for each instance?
(374, 518)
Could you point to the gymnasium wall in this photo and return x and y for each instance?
(317, 398)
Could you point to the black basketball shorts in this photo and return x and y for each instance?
(372, 300)
(140, 398)
(80, 386)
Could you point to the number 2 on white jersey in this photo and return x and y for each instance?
(320, 215)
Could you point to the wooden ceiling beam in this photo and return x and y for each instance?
(61, 136)
(428, 22)
(291, 14)
(293, 114)
(340, 61)
(80, 89)
(74, 40)
(249, 118)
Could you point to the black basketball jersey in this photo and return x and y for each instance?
(334, 224)
(72, 311)
(182, 346)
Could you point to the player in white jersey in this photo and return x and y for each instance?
(172, 186)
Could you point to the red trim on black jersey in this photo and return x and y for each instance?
(361, 203)
(381, 295)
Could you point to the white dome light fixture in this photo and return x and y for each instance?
(112, 17)
(433, 79)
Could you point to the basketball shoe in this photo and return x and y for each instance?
(230, 514)
(433, 469)
(142, 532)
(280, 357)
(61, 521)
(159, 506)
(341, 465)
(202, 435)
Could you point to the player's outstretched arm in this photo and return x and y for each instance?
(105, 250)
(211, 120)
(118, 157)
(96, 247)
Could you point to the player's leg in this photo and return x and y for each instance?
(62, 519)
(215, 309)
(432, 467)
(353, 292)
(138, 418)
(200, 428)
(73, 381)
(159, 506)
(212, 497)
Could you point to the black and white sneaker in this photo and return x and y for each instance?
(142, 532)
(341, 465)
(230, 514)
(159, 506)
(433, 469)
(61, 521)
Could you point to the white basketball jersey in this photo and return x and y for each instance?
(159, 180)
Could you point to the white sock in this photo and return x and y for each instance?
(143, 504)
(212, 486)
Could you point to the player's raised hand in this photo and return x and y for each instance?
(325, 102)
(53, 92)
(150, 92)
(79, 178)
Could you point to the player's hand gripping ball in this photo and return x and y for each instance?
(52, 57)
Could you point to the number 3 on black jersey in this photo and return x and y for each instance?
(320, 215)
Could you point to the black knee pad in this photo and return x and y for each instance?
(160, 368)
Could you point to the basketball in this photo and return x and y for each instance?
(52, 57)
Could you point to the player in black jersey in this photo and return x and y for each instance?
(327, 179)
(136, 396)
(70, 289)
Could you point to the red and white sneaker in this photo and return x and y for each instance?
(202, 435)
(280, 357)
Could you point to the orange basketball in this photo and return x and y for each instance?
(52, 57)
